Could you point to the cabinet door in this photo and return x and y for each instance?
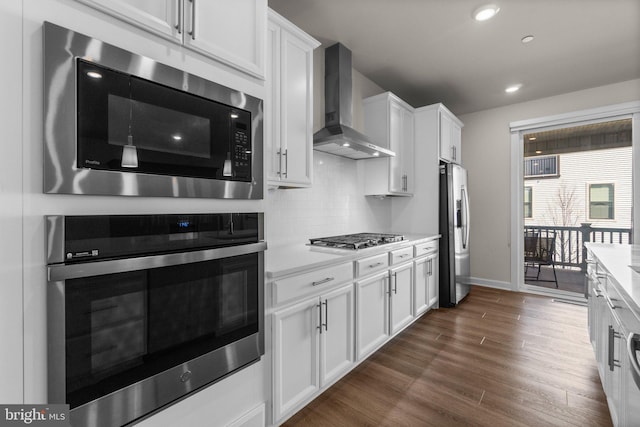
(296, 114)
(230, 32)
(272, 105)
(401, 312)
(434, 281)
(613, 367)
(336, 336)
(161, 17)
(396, 179)
(372, 302)
(407, 150)
(421, 283)
(456, 143)
(446, 146)
(295, 352)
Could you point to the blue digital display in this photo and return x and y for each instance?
(184, 223)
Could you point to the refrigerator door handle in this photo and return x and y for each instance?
(465, 223)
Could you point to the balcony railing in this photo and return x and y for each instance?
(570, 241)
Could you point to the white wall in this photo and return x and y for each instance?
(23, 204)
(335, 204)
(11, 336)
(486, 152)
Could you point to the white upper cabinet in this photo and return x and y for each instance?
(388, 121)
(289, 104)
(230, 32)
(450, 134)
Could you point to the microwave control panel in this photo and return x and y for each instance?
(241, 153)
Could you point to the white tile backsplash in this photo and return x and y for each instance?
(335, 204)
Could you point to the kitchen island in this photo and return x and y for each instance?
(613, 293)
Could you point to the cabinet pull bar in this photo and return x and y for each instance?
(610, 303)
(178, 26)
(279, 154)
(319, 318)
(395, 283)
(326, 315)
(633, 345)
(192, 33)
(286, 163)
(320, 282)
(375, 265)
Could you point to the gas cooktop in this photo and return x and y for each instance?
(356, 241)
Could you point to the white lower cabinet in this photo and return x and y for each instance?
(425, 293)
(313, 344)
(400, 289)
(372, 302)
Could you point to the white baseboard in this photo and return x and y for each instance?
(488, 283)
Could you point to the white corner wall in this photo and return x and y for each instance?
(486, 146)
(11, 325)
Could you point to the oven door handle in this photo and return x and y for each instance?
(73, 271)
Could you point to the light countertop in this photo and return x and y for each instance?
(291, 258)
(617, 259)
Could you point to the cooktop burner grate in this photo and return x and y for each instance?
(356, 241)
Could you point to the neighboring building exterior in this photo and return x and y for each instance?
(579, 187)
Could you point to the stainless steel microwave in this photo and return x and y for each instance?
(117, 123)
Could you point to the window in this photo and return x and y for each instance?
(540, 166)
(601, 201)
(528, 202)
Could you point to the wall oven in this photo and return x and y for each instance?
(117, 123)
(145, 309)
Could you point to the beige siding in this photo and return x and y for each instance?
(577, 171)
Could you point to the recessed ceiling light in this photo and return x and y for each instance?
(532, 138)
(513, 88)
(538, 152)
(485, 12)
(375, 153)
(176, 137)
(527, 39)
(346, 144)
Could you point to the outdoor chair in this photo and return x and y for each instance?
(538, 251)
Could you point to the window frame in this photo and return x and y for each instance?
(612, 202)
(530, 203)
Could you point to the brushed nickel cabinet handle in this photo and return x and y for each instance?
(326, 315)
(192, 33)
(375, 265)
(395, 283)
(279, 154)
(320, 282)
(286, 163)
(319, 317)
(178, 26)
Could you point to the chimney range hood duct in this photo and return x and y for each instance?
(338, 137)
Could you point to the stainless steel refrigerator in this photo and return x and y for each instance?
(454, 228)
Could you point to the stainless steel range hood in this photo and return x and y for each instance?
(338, 137)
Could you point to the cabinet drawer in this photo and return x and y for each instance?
(401, 255)
(371, 264)
(313, 281)
(426, 248)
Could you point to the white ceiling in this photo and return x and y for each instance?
(428, 51)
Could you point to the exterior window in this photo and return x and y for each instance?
(601, 201)
(540, 166)
(528, 202)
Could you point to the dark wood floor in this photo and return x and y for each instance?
(498, 359)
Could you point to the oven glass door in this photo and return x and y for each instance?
(126, 123)
(122, 328)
